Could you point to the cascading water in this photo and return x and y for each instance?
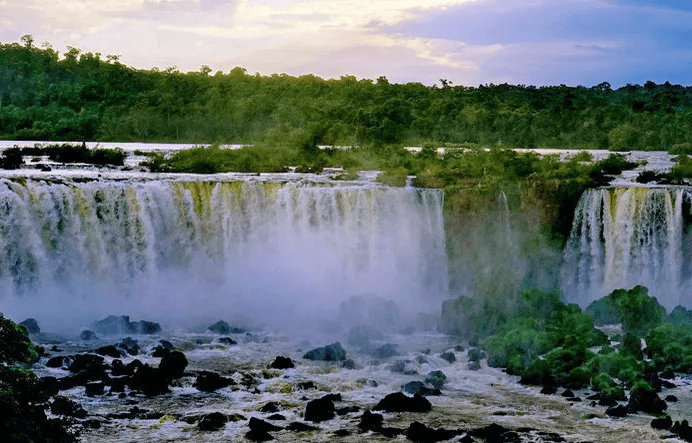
(622, 237)
(177, 250)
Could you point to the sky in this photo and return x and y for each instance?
(465, 42)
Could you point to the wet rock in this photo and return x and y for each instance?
(496, 433)
(276, 417)
(67, 407)
(420, 433)
(114, 324)
(473, 365)
(212, 422)
(173, 365)
(130, 346)
(297, 426)
(49, 385)
(683, 430)
(87, 335)
(281, 362)
(662, 423)
(400, 402)
(220, 327)
(86, 361)
(436, 379)
(306, 385)
(362, 335)
(548, 390)
(401, 367)
(417, 387)
(386, 351)
(92, 424)
(270, 407)
(208, 381)
(449, 357)
(109, 351)
(348, 364)
(319, 410)
(31, 326)
(342, 433)
(567, 393)
(671, 398)
(617, 411)
(370, 421)
(149, 380)
(347, 410)
(333, 352)
(228, 341)
(257, 424)
(147, 327)
(259, 436)
(475, 354)
(643, 398)
(94, 388)
(58, 361)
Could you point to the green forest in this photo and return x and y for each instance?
(45, 95)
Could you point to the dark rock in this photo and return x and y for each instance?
(31, 326)
(87, 335)
(667, 384)
(94, 388)
(147, 327)
(671, 398)
(160, 352)
(347, 410)
(333, 352)
(449, 357)
(208, 381)
(281, 362)
(436, 379)
(276, 417)
(342, 432)
(643, 398)
(662, 423)
(400, 402)
(257, 424)
(401, 367)
(49, 385)
(173, 365)
(548, 390)
(348, 364)
(92, 424)
(617, 411)
(305, 385)
(668, 374)
(420, 433)
(496, 433)
(270, 407)
(474, 354)
(220, 327)
(65, 406)
(259, 436)
(58, 361)
(130, 346)
(114, 324)
(473, 365)
(228, 341)
(86, 362)
(149, 380)
(362, 335)
(417, 387)
(386, 351)
(370, 422)
(391, 432)
(297, 426)
(567, 393)
(320, 410)
(683, 430)
(212, 422)
(109, 351)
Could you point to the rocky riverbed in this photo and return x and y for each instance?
(230, 384)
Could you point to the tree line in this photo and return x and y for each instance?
(45, 95)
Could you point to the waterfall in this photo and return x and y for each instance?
(622, 237)
(179, 249)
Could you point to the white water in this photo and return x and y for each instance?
(622, 237)
(179, 251)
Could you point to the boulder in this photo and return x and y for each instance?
(58, 361)
(212, 422)
(400, 402)
(495, 433)
(31, 326)
(270, 407)
(220, 327)
(644, 398)
(114, 324)
(281, 362)
(94, 388)
(87, 335)
(208, 381)
(370, 421)
(333, 352)
(109, 351)
(417, 387)
(173, 365)
(663, 423)
(67, 407)
(297, 426)
(420, 433)
(147, 327)
(257, 424)
(348, 364)
(617, 411)
(320, 410)
(436, 379)
(129, 345)
(449, 357)
(149, 380)
(228, 341)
